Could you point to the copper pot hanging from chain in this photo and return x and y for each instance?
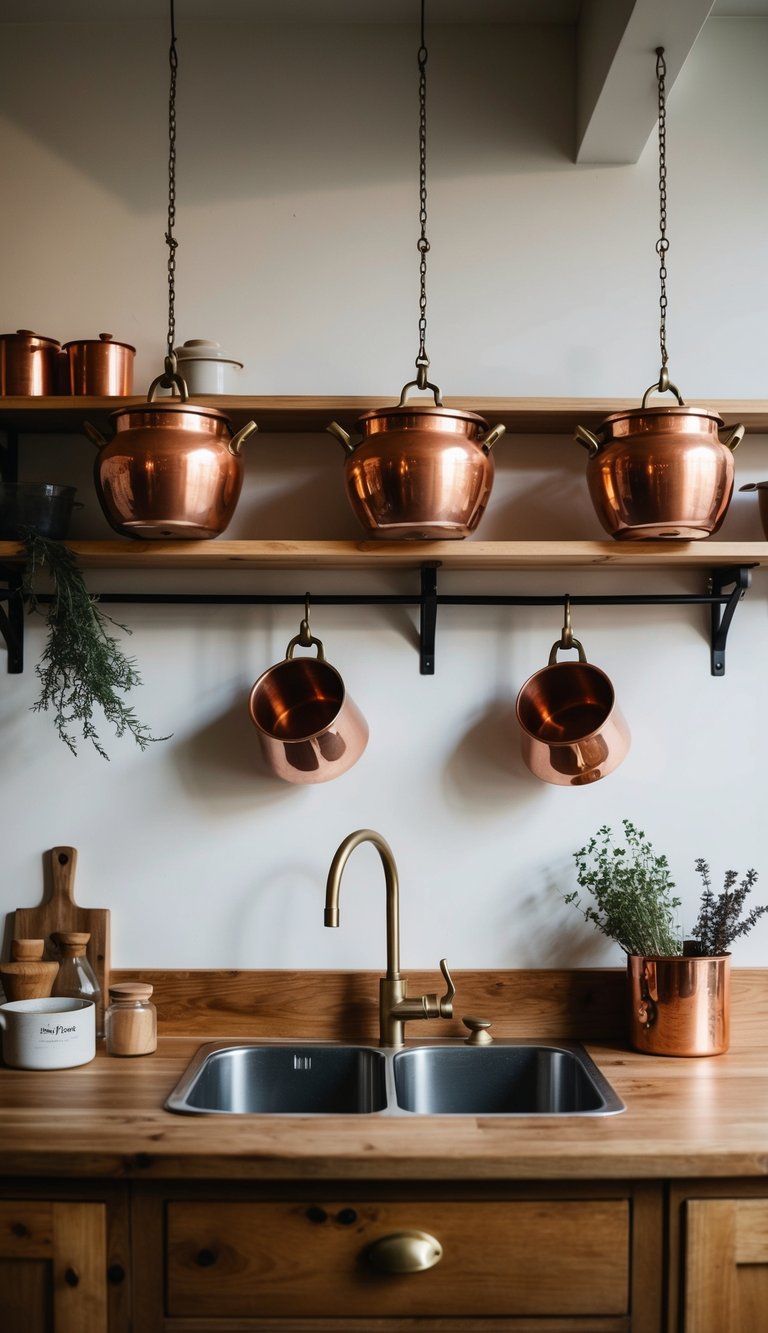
(661, 471)
(420, 471)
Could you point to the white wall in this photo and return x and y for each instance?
(297, 224)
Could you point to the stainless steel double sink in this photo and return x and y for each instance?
(506, 1078)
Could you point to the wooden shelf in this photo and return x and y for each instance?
(229, 555)
(521, 416)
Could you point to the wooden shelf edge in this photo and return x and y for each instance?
(221, 554)
(286, 413)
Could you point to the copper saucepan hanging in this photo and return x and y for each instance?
(420, 471)
(309, 728)
(572, 731)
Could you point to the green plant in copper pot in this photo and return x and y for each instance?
(631, 891)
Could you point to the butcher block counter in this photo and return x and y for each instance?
(684, 1117)
(118, 1215)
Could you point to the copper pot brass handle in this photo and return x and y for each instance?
(734, 438)
(405, 1252)
(333, 428)
(237, 441)
(574, 643)
(590, 441)
(95, 436)
(305, 642)
(491, 438)
(421, 386)
(664, 385)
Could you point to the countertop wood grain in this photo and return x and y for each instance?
(684, 1118)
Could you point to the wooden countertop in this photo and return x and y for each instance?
(701, 1117)
(684, 1118)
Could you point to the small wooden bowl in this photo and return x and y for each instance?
(27, 951)
(27, 981)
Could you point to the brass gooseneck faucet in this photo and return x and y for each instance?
(395, 1007)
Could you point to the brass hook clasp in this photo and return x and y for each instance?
(566, 638)
(305, 635)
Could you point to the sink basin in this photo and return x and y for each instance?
(450, 1078)
(502, 1079)
(282, 1080)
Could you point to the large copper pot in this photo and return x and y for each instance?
(419, 472)
(28, 364)
(661, 472)
(171, 470)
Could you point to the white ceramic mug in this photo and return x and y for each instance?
(48, 1034)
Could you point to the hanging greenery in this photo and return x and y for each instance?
(83, 666)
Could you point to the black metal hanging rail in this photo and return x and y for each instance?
(727, 587)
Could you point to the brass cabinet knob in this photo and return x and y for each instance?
(405, 1252)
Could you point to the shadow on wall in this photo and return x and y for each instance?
(486, 772)
(267, 109)
(222, 764)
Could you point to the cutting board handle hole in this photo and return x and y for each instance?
(63, 858)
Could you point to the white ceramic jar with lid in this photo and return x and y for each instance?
(131, 1020)
(206, 367)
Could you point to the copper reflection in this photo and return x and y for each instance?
(28, 365)
(572, 730)
(101, 367)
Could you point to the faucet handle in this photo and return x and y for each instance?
(446, 1001)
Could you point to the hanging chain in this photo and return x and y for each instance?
(422, 360)
(170, 239)
(662, 245)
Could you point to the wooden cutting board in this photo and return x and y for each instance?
(59, 911)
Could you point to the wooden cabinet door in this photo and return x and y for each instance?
(53, 1267)
(726, 1266)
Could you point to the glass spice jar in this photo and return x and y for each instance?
(131, 1019)
(76, 977)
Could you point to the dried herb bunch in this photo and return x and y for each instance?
(83, 665)
(720, 919)
(632, 891)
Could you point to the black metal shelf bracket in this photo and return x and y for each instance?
(726, 588)
(722, 612)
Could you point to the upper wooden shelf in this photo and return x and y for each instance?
(521, 416)
(221, 554)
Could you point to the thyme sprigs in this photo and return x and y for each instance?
(632, 892)
(83, 665)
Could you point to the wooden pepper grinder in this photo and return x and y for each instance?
(27, 977)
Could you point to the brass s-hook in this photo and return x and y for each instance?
(305, 635)
(566, 638)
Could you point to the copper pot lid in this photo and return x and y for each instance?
(98, 342)
(171, 407)
(662, 410)
(423, 410)
(26, 335)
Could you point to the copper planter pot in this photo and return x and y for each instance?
(660, 472)
(172, 470)
(309, 729)
(572, 731)
(28, 365)
(100, 366)
(679, 1006)
(419, 472)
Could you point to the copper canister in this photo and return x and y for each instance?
(679, 1005)
(28, 364)
(101, 367)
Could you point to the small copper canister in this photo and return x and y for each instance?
(28, 365)
(100, 367)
